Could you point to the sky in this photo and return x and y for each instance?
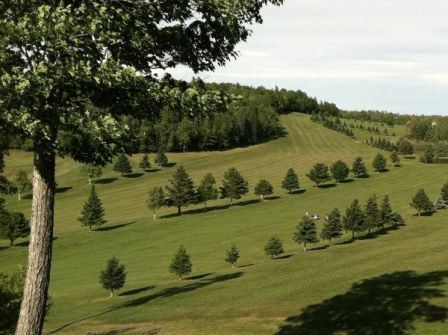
(387, 55)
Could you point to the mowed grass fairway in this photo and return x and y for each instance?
(400, 276)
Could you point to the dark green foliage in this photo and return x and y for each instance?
(91, 171)
(234, 185)
(306, 232)
(379, 163)
(144, 164)
(114, 276)
(395, 158)
(22, 183)
(156, 199)
(122, 165)
(92, 213)
(359, 168)
(428, 156)
(180, 191)
(319, 174)
(354, 218)
(441, 149)
(397, 219)
(405, 147)
(14, 226)
(181, 263)
(274, 247)
(421, 202)
(207, 190)
(291, 181)
(11, 290)
(444, 192)
(386, 213)
(263, 188)
(333, 226)
(372, 215)
(232, 255)
(161, 159)
(340, 171)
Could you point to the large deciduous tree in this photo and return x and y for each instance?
(70, 70)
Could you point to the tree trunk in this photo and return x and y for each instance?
(304, 247)
(154, 216)
(11, 243)
(111, 293)
(262, 197)
(179, 210)
(19, 195)
(32, 311)
(90, 181)
(353, 234)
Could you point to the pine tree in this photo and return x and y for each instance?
(13, 226)
(181, 190)
(319, 174)
(379, 163)
(333, 226)
(114, 276)
(263, 188)
(156, 199)
(232, 255)
(386, 211)
(291, 181)
(22, 183)
(207, 190)
(122, 165)
(233, 185)
(161, 159)
(444, 192)
(306, 232)
(359, 168)
(181, 263)
(340, 171)
(395, 158)
(274, 247)
(354, 218)
(92, 213)
(144, 164)
(421, 202)
(91, 171)
(372, 215)
(405, 147)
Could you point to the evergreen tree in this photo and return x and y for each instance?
(14, 226)
(429, 156)
(233, 185)
(386, 211)
(91, 171)
(144, 164)
(444, 192)
(232, 255)
(319, 174)
(114, 276)
(372, 215)
(359, 168)
(395, 159)
(22, 183)
(379, 163)
(181, 263)
(263, 188)
(156, 199)
(354, 218)
(207, 190)
(397, 219)
(340, 171)
(123, 165)
(161, 159)
(92, 213)
(181, 190)
(405, 147)
(333, 226)
(291, 181)
(421, 202)
(306, 232)
(274, 247)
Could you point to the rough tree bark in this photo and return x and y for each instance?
(32, 311)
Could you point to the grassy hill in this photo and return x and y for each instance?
(393, 283)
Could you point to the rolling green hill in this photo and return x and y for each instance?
(393, 283)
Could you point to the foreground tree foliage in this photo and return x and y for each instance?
(91, 171)
(332, 228)
(14, 226)
(122, 165)
(444, 192)
(22, 183)
(114, 276)
(359, 168)
(263, 188)
(156, 199)
(11, 291)
(232, 255)
(180, 191)
(319, 174)
(69, 73)
(274, 247)
(92, 213)
(306, 232)
(421, 202)
(234, 185)
(340, 171)
(181, 263)
(291, 181)
(207, 190)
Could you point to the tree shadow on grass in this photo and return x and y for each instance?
(199, 276)
(27, 243)
(284, 256)
(301, 191)
(105, 181)
(118, 226)
(63, 189)
(324, 186)
(245, 266)
(322, 247)
(170, 164)
(347, 181)
(137, 290)
(154, 170)
(133, 175)
(389, 304)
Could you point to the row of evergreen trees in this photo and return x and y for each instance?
(333, 124)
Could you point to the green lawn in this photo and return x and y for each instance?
(394, 283)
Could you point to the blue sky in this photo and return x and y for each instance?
(361, 54)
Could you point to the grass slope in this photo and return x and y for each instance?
(389, 284)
